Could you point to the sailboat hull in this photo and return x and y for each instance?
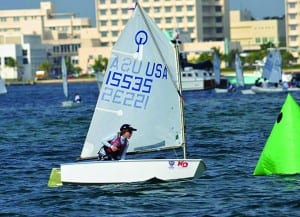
(68, 103)
(129, 171)
(273, 89)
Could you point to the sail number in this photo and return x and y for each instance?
(130, 82)
(127, 90)
(126, 98)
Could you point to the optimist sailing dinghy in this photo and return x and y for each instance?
(272, 71)
(141, 87)
(67, 102)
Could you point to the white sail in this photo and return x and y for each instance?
(239, 71)
(268, 66)
(139, 88)
(64, 76)
(216, 66)
(3, 89)
(99, 79)
(272, 69)
(276, 74)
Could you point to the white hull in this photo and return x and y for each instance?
(221, 90)
(243, 91)
(197, 84)
(68, 103)
(247, 91)
(196, 79)
(129, 171)
(256, 89)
